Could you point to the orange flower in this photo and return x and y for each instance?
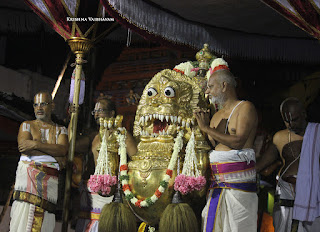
(125, 187)
(169, 172)
(138, 203)
(158, 193)
(123, 167)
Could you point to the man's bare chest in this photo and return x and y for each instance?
(223, 122)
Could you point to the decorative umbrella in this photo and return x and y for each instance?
(81, 23)
(303, 13)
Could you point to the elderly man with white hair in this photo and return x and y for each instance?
(232, 200)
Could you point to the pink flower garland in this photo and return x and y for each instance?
(186, 184)
(102, 183)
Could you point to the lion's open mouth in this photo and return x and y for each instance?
(159, 127)
(157, 124)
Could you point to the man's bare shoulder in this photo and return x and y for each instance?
(280, 136)
(96, 139)
(247, 106)
(30, 122)
(26, 126)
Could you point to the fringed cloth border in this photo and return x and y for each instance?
(157, 25)
(38, 216)
(35, 200)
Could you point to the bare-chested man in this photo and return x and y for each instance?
(42, 144)
(232, 201)
(92, 203)
(288, 143)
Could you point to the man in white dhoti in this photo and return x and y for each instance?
(43, 146)
(232, 203)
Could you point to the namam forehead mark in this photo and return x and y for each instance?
(42, 97)
(292, 112)
(98, 105)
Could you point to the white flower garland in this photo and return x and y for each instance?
(215, 63)
(102, 179)
(124, 178)
(190, 161)
(190, 179)
(186, 68)
(102, 161)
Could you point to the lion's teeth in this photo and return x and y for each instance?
(179, 119)
(183, 123)
(161, 118)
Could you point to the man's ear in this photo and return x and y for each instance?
(224, 86)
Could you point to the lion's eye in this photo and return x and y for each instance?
(152, 92)
(169, 92)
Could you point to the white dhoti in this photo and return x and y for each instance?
(232, 202)
(35, 195)
(282, 215)
(24, 217)
(91, 205)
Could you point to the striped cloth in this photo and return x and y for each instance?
(232, 201)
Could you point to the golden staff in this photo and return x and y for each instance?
(79, 46)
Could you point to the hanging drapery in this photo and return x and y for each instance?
(303, 13)
(156, 24)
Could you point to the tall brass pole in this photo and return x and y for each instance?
(79, 46)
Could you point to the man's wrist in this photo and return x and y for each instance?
(37, 145)
(206, 129)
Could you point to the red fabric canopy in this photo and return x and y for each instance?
(303, 13)
(69, 18)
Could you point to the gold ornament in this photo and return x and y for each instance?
(166, 106)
